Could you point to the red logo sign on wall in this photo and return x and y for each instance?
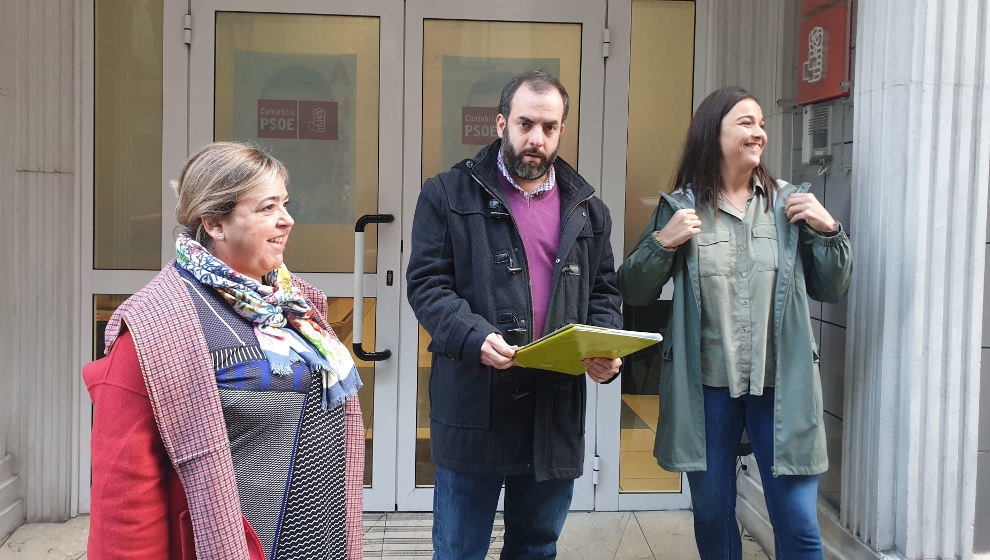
(307, 120)
(478, 125)
(823, 50)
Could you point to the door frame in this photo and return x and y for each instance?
(199, 129)
(607, 173)
(616, 118)
(591, 14)
(94, 281)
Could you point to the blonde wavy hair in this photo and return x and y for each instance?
(215, 178)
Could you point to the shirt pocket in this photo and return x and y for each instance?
(765, 246)
(714, 255)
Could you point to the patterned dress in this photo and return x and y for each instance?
(288, 452)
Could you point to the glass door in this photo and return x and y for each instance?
(458, 56)
(655, 97)
(364, 101)
(310, 82)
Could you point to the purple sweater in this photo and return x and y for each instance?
(538, 219)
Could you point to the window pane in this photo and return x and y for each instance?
(103, 307)
(127, 122)
(425, 469)
(306, 88)
(661, 80)
(465, 66)
(340, 315)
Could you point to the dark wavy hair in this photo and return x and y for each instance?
(700, 167)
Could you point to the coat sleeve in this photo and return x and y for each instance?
(605, 303)
(645, 271)
(827, 264)
(129, 493)
(456, 330)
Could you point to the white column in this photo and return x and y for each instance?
(921, 154)
(7, 112)
(40, 211)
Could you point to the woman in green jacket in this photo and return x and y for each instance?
(745, 252)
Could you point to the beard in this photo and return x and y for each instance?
(520, 168)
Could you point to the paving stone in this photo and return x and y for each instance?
(651, 535)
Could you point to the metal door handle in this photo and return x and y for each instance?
(358, 314)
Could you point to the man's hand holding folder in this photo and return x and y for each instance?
(575, 349)
(602, 370)
(497, 353)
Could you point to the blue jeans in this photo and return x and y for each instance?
(464, 512)
(791, 500)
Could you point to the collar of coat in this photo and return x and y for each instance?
(484, 168)
(787, 235)
(683, 197)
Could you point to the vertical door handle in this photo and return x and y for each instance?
(358, 314)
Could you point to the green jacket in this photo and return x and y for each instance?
(809, 265)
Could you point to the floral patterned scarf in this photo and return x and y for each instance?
(272, 305)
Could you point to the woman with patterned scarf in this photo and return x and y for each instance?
(226, 421)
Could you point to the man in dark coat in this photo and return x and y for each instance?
(507, 247)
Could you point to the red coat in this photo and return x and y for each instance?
(137, 503)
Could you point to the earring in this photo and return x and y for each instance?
(220, 235)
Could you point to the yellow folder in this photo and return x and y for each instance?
(563, 349)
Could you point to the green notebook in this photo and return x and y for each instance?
(563, 349)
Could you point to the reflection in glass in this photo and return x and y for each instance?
(640, 411)
(425, 469)
(340, 315)
(127, 135)
(306, 88)
(103, 307)
(465, 66)
(660, 89)
(661, 78)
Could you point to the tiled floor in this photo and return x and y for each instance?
(652, 535)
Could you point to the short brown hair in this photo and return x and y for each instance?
(539, 81)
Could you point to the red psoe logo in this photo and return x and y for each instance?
(305, 120)
(823, 51)
(277, 118)
(478, 125)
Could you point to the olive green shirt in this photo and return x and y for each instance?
(737, 256)
(810, 266)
